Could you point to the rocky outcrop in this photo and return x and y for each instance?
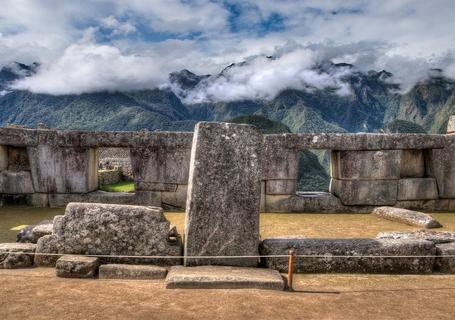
(330, 254)
(222, 214)
(413, 218)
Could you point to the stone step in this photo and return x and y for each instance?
(131, 272)
(222, 277)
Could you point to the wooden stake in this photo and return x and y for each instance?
(291, 253)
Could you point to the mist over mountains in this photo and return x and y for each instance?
(308, 97)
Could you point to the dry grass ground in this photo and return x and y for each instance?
(38, 294)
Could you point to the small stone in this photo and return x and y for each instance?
(413, 218)
(77, 267)
(221, 277)
(131, 272)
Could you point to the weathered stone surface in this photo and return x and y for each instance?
(210, 277)
(57, 200)
(63, 170)
(365, 192)
(281, 186)
(39, 200)
(417, 189)
(15, 182)
(131, 272)
(106, 229)
(16, 255)
(442, 167)
(279, 162)
(222, 212)
(3, 158)
(366, 165)
(47, 249)
(18, 159)
(175, 200)
(451, 125)
(310, 202)
(41, 230)
(412, 164)
(77, 267)
(433, 236)
(354, 141)
(144, 198)
(413, 218)
(446, 262)
(350, 247)
(424, 205)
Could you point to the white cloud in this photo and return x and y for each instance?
(117, 27)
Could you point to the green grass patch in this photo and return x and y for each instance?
(122, 186)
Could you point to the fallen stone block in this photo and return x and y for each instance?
(417, 189)
(328, 252)
(77, 267)
(222, 214)
(16, 255)
(365, 192)
(444, 263)
(117, 230)
(413, 218)
(222, 277)
(433, 236)
(131, 272)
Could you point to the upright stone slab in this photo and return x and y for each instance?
(222, 211)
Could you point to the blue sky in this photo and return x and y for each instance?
(91, 45)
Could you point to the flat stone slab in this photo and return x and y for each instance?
(14, 255)
(413, 218)
(446, 262)
(433, 236)
(222, 277)
(131, 272)
(328, 252)
(224, 187)
(77, 267)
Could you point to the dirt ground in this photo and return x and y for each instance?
(38, 294)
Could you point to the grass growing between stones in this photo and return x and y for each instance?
(122, 186)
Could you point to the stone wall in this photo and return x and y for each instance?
(415, 171)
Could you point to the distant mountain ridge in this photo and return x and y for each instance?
(373, 102)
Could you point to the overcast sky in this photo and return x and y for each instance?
(87, 46)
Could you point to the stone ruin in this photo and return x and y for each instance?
(230, 171)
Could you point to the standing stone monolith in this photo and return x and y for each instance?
(222, 210)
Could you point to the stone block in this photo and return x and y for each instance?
(412, 164)
(63, 170)
(325, 249)
(446, 261)
(16, 255)
(442, 167)
(281, 186)
(107, 229)
(222, 212)
(77, 267)
(41, 230)
(218, 277)
(451, 125)
(176, 199)
(279, 163)
(47, 249)
(429, 235)
(417, 189)
(365, 192)
(18, 159)
(413, 218)
(366, 165)
(131, 272)
(16, 182)
(3, 158)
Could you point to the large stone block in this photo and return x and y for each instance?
(77, 267)
(16, 255)
(18, 159)
(222, 212)
(154, 166)
(325, 249)
(106, 229)
(279, 163)
(442, 167)
(63, 170)
(3, 158)
(131, 272)
(413, 218)
(417, 189)
(16, 182)
(412, 164)
(366, 165)
(365, 192)
(281, 186)
(446, 260)
(209, 277)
